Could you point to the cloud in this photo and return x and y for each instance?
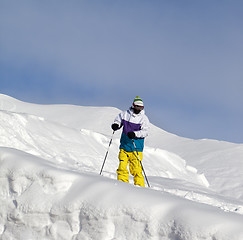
(177, 56)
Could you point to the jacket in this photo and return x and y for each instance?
(131, 122)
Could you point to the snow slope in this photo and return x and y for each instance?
(50, 158)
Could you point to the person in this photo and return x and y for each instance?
(135, 126)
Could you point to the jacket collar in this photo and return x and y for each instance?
(134, 114)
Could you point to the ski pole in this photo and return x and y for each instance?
(140, 163)
(106, 153)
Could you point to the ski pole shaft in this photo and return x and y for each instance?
(141, 163)
(106, 153)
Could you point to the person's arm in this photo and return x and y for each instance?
(117, 124)
(144, 129)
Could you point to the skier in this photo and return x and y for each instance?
(135, 128)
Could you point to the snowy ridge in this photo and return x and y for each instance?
(50, 157)
(45, 202)
(34, 135)
(207, 156)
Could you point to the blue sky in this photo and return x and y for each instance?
(183, 58)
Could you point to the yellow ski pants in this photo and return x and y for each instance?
(134, 167)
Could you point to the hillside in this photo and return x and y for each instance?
(50, 158)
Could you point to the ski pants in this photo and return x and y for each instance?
(135, 168)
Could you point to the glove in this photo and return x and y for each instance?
(131, 135)
(115, 126)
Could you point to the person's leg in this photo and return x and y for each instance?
(136, 168)
(122, 172)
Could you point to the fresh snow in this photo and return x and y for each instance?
(50, 159)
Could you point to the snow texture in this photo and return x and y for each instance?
(50, 159)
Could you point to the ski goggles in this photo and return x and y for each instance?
(138, 107)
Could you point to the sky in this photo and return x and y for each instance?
(183, 58)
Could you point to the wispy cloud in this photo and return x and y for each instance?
(186, 58)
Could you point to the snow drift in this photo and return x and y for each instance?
(50, 158)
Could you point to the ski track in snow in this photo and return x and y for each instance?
(51, 189)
